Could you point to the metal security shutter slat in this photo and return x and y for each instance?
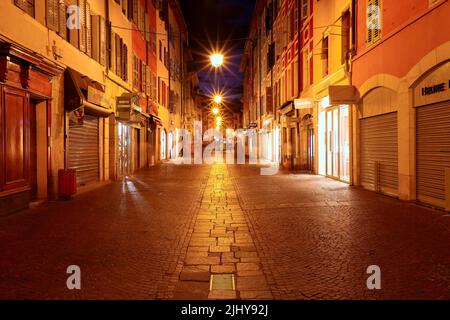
(433, 152)
(379, 143)
(84, 150)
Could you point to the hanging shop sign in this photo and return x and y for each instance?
(128, 109)
(434, 88)
(343, 95)
(303, 104)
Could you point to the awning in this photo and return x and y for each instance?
(345, 94)
(82, 92)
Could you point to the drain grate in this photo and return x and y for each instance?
(222, 282)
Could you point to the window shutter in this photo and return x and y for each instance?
(125, 62)
(88, 30)
(52, 11)
(62, 20)
(26, 5)
(102, 44)
(148, 81)
(130, 9)
(147, 28)
(159, 90)
(113, 52)
(124, 6)
(82, 6)
(376, 19)
(95, 25)
(143, 77)
(142, 24)
(117, 51)
(135, 12)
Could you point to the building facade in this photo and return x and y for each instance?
(358, 89)
(82, 88)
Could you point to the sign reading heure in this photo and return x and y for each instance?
(434, 87)
(441, 87)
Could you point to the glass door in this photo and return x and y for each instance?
(344, 144)
(338, 143)
(332, 159)
(124, 156)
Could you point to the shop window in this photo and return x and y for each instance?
(373, 21)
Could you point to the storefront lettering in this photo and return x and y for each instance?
(441, 87)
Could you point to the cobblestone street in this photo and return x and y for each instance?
(225, 232)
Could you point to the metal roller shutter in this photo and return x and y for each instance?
(379, 154)
(433, 152)
(83, 153)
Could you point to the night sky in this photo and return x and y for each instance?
(219, 25)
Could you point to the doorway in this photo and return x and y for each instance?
(338, 143)
(38, 149)
(310, 149)
(124, 150)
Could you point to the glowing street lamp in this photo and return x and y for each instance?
(215, 110)
(218, 121)
(216, 60)
(217, 99)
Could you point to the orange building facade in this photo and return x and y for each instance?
(354, 90)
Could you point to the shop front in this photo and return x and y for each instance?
(85, 123)
(131, 134)
(154, 123)
(25, 127)
(289, 136)
(378, 144)
(432, 106)
(334, 140)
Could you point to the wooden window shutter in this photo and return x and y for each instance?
(369, 22)
(95, 24)
(102, 39)
(124, 6)
(155, 87)
(147, 28)
(124, 62)
(135, 11)
(142, 24)
(113, 52)
(62, 20)
(26, 5)
(159, 90)
(73, 34)
(130, 9)
(117, 54)
(120, 54)
(376, 18)
(52, 12)
(147, 81)
(88, 30)
(82, 6)
(143, 78)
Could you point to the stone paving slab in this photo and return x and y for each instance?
(230, 246)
